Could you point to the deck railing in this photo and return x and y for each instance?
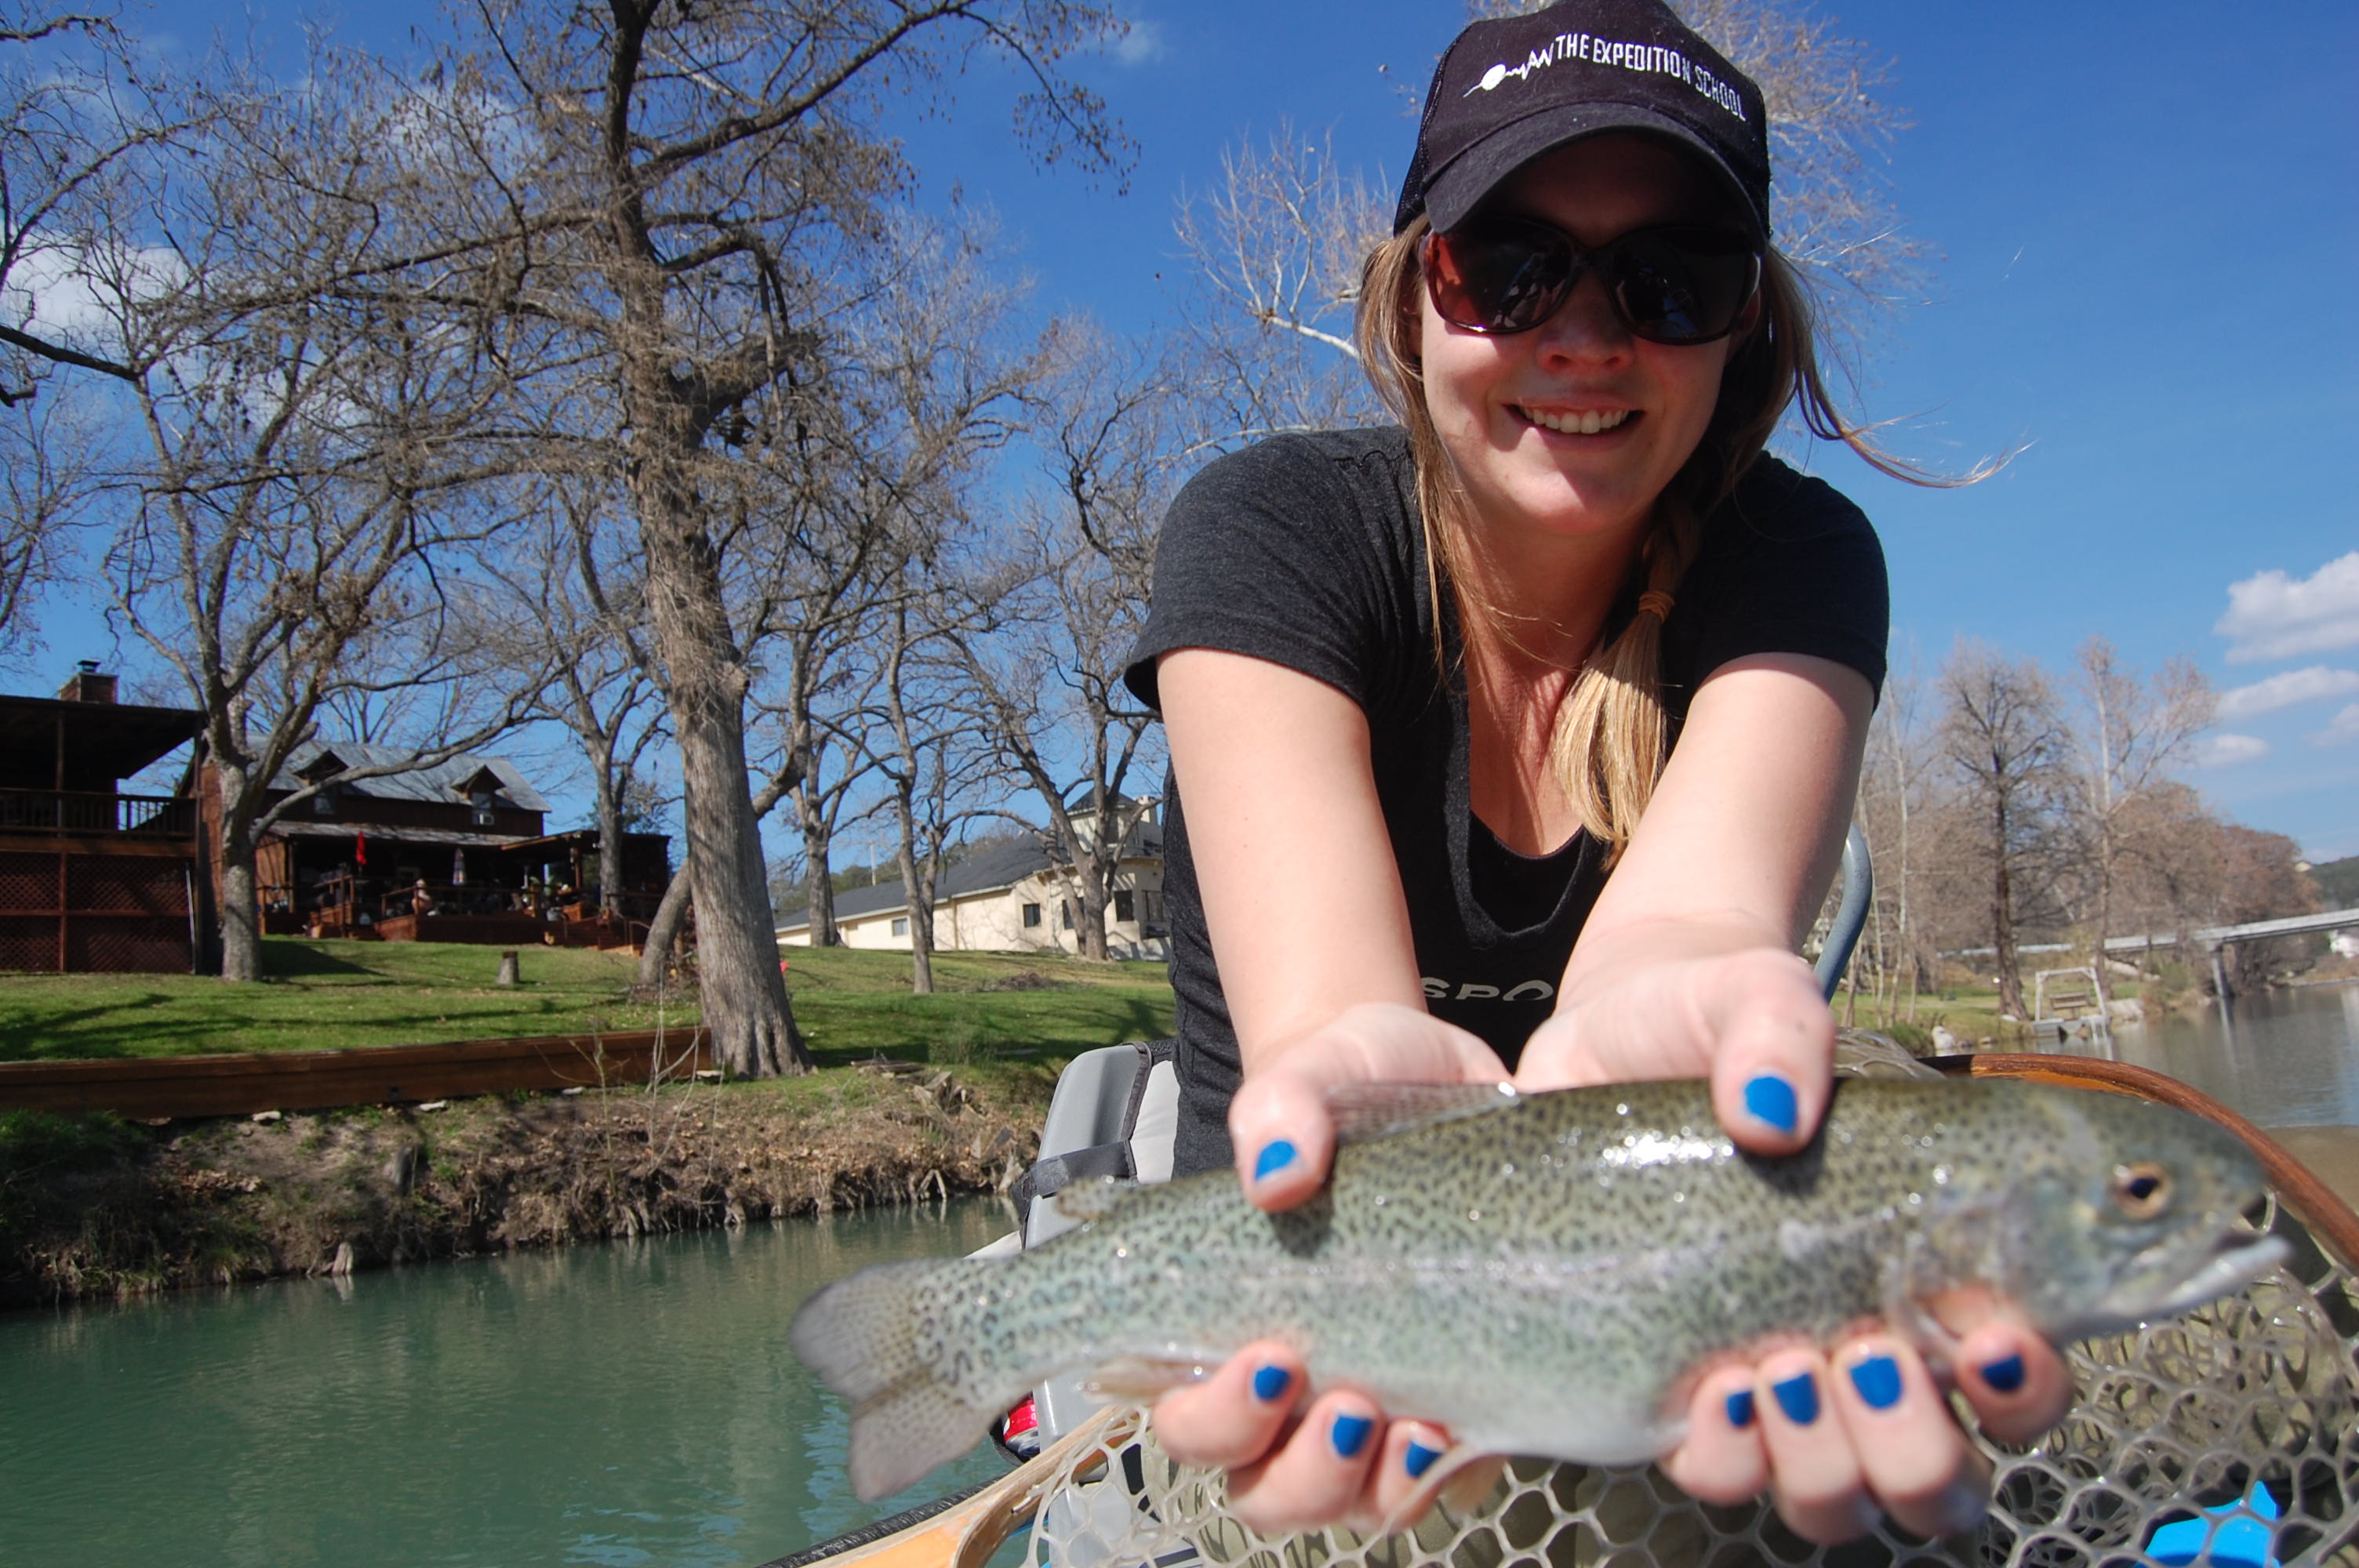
(74, 811)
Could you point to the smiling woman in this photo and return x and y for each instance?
(1521, 737)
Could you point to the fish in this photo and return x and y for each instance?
(1548, 1274)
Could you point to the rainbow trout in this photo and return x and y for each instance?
(1546, 1276)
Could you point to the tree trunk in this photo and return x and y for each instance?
(610, 844)
(2010, 980)
(663, 931)
(747, 1016)
(819, 877)
(920, 907)
(241, 933)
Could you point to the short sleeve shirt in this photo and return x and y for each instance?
(1307, 551)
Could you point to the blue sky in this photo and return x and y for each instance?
(2143, 217)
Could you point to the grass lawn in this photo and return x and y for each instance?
(318, 994)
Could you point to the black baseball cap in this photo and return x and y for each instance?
(1510, 90)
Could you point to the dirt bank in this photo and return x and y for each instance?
(95, 1207)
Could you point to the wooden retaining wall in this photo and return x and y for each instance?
(245, 1082)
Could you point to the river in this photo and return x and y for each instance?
(621, 1405)
(2287, 1058)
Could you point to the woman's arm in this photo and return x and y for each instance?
(1688, 966)
(1304, 903)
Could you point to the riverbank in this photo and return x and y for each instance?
(93, 1207)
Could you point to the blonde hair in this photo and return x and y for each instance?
(1612, 733)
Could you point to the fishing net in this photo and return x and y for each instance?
(2242, 1417)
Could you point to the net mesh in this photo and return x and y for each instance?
(2177, 1421)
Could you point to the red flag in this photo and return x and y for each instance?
(360, 847)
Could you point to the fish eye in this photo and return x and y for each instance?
(2142, 1189)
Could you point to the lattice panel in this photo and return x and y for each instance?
(29, 882)
(2259, 1387)
(30, 943)
(129, 884)
(128, 944)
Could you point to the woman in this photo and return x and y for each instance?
(1522, 737)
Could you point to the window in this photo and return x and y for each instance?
(1065, 908)
(1122, 904)
(324, 803)
(1031, 914)
(900, 926)
(481, 799)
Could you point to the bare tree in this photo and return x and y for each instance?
(1894, 791)
(2006, 745)
(667, 191)
(1047, 683)
(571, 571)
(2126, 737)
(279, 529)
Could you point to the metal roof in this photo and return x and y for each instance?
(438, 783)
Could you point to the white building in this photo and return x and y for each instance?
(1012, 897)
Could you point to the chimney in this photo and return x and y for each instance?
(86, 685)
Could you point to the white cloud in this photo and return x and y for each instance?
(2274, 616)
(2340, 730)
(1141, 42)
(2227, 751)
(2287, 690)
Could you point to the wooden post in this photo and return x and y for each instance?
(507, 968)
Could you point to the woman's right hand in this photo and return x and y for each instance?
(1293, 1461)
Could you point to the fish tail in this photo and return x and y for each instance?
(862, 1336)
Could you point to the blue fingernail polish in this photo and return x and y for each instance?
(1271, 1382)
(1418, 1458)
(1276, 1155)
(1877, 1379)
(2005, 1374)
(1350, 1434)
(1772, 1099)
(1740, 1408)
(1798, 1396)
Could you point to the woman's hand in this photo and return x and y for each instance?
(1296, 1464)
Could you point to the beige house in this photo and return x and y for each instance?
(1012, 897)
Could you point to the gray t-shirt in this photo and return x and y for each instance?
(1306, 551)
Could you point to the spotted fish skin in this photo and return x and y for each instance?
(1543, 1278)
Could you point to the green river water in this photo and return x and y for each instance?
(620, 1404)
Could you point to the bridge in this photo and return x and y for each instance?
(2209, 939)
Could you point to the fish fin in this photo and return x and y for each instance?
(860, 1335)
(1911, 1319)
(1092, 1199)
(1459, 1480)
(1363, 1111)
(1140, 1378)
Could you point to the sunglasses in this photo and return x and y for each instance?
(1675, 286)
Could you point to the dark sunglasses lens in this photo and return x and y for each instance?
(1682, 286)
(1498, 277)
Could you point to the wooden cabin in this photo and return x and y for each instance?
(92, 879)
(453, 851)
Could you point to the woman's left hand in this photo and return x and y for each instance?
(1841, 1437)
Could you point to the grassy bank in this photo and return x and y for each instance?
(849, 1005)
(92, 1207)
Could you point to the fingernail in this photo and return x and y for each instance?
(1276, 1155)
(2005, 1374)
(1740, 1408)
(1418, 1458)
(1877, 1379)
(1271, 1382)
(1798, 1396)
(1772, 1099)
(1351, 1435)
